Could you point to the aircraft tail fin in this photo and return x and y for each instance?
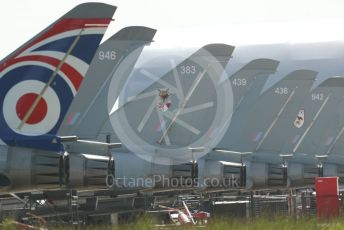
(41, 78)
(109, 69)
(150, 109)
(333, 82)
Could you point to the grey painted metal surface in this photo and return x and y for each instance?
(199, 103)
(91, 102)
(254, 123)
(327, 127)
(292, 117)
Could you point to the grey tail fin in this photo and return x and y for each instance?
(89, 110)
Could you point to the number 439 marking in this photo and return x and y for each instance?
(239, 82)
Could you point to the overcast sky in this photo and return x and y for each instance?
(189, 22)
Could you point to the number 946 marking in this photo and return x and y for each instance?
(107, 55)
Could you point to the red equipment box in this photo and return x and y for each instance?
(326, 186)
(327, 197)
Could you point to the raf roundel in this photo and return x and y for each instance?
(38, 113)
(39, 81)
(18, 101)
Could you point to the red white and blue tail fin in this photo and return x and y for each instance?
(39, 81)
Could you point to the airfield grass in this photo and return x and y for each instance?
(264, 223)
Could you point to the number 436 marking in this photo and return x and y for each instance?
(281, 90)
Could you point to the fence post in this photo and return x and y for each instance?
(303, 204)
(291, 203)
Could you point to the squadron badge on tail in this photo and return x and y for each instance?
(164, 104)
(300, 118)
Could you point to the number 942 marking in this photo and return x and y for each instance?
(317, 96)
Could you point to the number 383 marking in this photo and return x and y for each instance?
(188, 69)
